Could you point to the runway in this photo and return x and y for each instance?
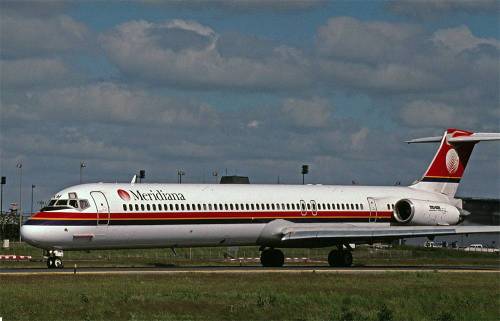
(244, 269)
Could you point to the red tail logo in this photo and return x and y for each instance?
(450, 160)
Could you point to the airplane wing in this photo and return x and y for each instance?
(355, 234)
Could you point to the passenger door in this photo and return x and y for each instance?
(102, 207)
(373, 209)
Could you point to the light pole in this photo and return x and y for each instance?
(305, 170)
(215, 174)
(180, 173)
(82, 166)
(32, 189)
(20, 208)
(2, 183)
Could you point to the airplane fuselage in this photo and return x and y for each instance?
(189, 215)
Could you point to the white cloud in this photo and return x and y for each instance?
(423, 113)
(425, 9)
(461, 38)
(32, 72)
(27, 36)
(315, 112)
(159, 53)
(110, 103)
(356, 40)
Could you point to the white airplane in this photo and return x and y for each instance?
(131, 216)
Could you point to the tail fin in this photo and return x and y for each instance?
(446, 169)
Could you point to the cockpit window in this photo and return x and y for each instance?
(57, 205)
(84, 204)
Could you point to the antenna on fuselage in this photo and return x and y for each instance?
(134, 179)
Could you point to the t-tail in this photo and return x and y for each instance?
(447, 168)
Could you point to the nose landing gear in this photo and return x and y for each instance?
(54, 259)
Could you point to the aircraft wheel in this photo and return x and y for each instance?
(50, 262)
(272, 258)
(346, 258)
(58, 263)
(334, 258)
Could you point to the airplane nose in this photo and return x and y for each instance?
(31, 234)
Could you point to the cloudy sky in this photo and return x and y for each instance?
(255, 87)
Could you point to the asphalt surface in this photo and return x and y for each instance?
(245, 269)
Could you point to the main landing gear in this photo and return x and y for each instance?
(54, 259)
(340, 257)
(272, 258)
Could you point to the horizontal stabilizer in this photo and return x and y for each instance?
(473, 138)
(434, 139)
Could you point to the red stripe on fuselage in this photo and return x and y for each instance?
(206, 215)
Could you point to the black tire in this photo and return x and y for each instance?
(50, 263)
(58, 263)
(272, 258)
(265, 258)
(346, 258)
(334, 258)
(278, 258)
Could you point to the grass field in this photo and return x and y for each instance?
(303, 296)
(363, 256)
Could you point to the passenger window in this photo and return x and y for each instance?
(188, 207)
(124, 207)
(154, 207)
(159, 207)
(215, 207)
(392, 206)
(361, 205)
(136, 207)
(252, 206)
(257, 206)
(231, 206)
(209, 207)
(199, 207)
(171, 207)
(352, 206)
(204, 206)
(288, 206)
(182, 207)
(236, 206)
(357, 206)
(130, 207)
(272, 206)
(343, 206)
(176, 207)
(268, 207)
(388, 207)
(247, 207)
(142, 207)
(226, 207)
(148, 208)
(293, 206)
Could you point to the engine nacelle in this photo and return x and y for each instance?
(418, 212)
